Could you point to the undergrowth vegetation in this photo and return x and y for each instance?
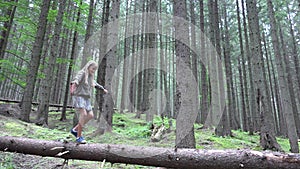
(126, 130)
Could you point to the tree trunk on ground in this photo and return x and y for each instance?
(153, 156)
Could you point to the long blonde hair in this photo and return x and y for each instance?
(85, 69)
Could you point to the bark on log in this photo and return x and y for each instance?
(152, 156)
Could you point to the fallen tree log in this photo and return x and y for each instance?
(35, 103)
(152, 156)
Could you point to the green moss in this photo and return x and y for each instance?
(16, 129)
(6, 161)
(131, 131)
(284, 143)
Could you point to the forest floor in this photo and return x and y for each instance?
(126, 130)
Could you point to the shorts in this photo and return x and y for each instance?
(82, 103)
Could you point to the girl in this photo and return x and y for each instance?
(81, 89)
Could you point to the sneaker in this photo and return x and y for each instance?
(74, 132)
(80, 140)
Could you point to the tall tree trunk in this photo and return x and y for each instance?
(125, 63)
(47, 83)
(267, 135)
(193, 45)
(133, 82)
(140, 83)
(253, 121)
(88, 32)
(34, 62)
(229, 114)
(292, 117)
(187, 113)
(268, 61)
(62, 69)
(10, 14)
(286, 87)
(204, 82)
(243, 76)
(45, 51)
(71, 64)
(111, 56)
(294, 50)
(151, 61)
(103, 117)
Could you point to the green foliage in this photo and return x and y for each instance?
(165, 121)
(52, 15)
(60, 60)
(130, 127)
(8, 68)
(240, 140)
(284, 143)
(6, 162)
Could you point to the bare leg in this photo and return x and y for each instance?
(84, 117)
(81, 122)
(88, 117)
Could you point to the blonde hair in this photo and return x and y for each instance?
(85, 69)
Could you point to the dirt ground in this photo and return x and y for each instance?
(16, 160)
(22, 161)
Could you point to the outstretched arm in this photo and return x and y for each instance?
(98, 86)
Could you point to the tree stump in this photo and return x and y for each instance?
(157, 133)
(10, 110)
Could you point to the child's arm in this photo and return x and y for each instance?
(98, 86)
(72, 88)
(75, 81)
(78, 77)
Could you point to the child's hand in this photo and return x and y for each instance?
(105, 91)
(72, 88)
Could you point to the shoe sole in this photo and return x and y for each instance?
(80, 142)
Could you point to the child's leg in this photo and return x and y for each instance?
(81, 122)
(89, 116)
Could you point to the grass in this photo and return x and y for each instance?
(6, 162)
(126, 130)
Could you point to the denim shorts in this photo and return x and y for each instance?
(82, 103)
